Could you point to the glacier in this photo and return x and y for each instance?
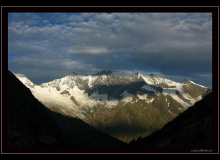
(76, 94)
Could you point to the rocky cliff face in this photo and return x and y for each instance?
(194, 90)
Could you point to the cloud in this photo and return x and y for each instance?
(174, 44)
(123, 73)
(49, 69)
(105, 18)
(89, 50)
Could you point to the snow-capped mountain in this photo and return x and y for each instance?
(25, 80)
(103, 99)
(31, 124)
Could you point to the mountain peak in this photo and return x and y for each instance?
(73, 73)
(187, 81)
(102, 72)
(138, 73)
(25, 80)
(151, 75)
(191, 82)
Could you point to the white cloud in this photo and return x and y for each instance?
(149, 40)
(76, 65)
(127, 32)
(105, 18)
(75, 18)
(88, 50)
(123, 73)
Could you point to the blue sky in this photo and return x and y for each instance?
(47, 46)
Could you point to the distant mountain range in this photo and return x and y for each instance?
(123, 107)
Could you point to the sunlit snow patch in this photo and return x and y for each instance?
(127, 97)
(149, 88)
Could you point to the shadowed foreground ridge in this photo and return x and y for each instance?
(192, 128)
(31, 124)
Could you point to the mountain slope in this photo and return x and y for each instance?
(31, 124)
(192, 128)
(124, 107)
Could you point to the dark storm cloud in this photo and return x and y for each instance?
(181, 62)
(173, 44)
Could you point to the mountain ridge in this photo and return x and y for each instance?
(103, 72)
(91, 97)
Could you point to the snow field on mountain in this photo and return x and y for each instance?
(158, 80)
(24, 80)
(76, 102)
(49, 96)
(172, 92)
(90, 81)
(179, 89)
(127, 97)
(148, 88)
(93, 100)
(144, 97)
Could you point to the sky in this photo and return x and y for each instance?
(48, 46)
